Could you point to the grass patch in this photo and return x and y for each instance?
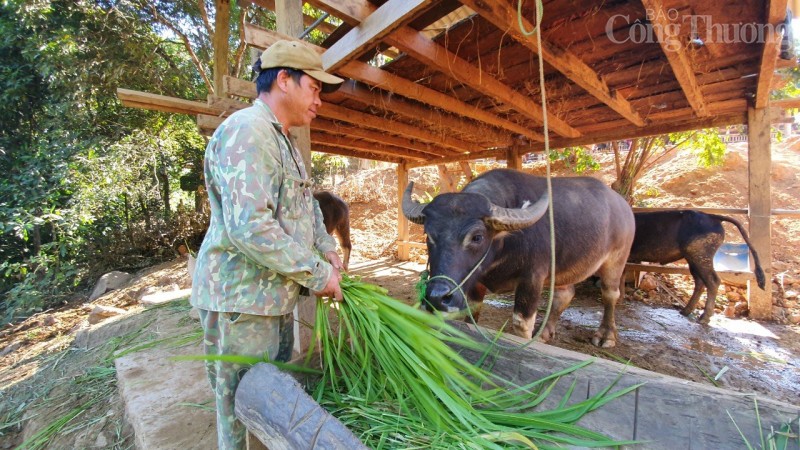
(83, 398)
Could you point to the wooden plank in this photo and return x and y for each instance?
(371, 31)
(361, 119)
(210, 123)
(613, 134)
(354, 153)
(513, 159)
(381, 138)
(228, 105)
(730, 276)
(263, 38)
(354, 90)
(432, 54)
(759, 193)
(504, 16)
(467, 170)
(387, 81)
(676, 55)
(403, 250)
(318, 137)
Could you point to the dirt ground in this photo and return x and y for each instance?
(40, 356)
(732, 352)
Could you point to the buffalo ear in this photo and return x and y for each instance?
(510, 219)
(412, 209)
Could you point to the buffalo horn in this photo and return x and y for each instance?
(510, 219)
(412, 209)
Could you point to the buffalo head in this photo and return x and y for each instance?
(461, 228)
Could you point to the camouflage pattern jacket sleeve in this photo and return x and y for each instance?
(259, 250)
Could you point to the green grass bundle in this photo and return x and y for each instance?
(392, 375)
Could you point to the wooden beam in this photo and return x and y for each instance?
(318, 137)
(676, 55)
(206, 122)
(156, 102)
(263, 38)
(361, 119)
(759, 159)
(371, 31)
(432, 54)
(776, 11)
(504, 16)
(323, 148)
(492, 137)
(786, 103)
(378, 137)
(613, 134)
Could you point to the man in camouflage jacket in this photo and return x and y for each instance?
(264, 243)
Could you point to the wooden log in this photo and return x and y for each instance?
(276, 409)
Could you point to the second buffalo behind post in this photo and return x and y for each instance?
(336, 215)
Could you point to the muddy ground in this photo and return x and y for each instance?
(748, 356)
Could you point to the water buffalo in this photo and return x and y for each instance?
(336, 215)
(667, 236)
(489, 236)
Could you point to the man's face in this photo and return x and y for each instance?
(303, 100)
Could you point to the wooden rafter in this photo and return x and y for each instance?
(378, 137)
(355, 153)
(384, 20)
(675, 52)
(504, 16)
(242, 88)
(423, 49)
(262, 38)
(318, 137)
(156, 102)
(776, 11)
(489, 136)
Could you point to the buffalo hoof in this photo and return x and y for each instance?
(704, 319)
(598, 340)
(686, 311)
(522, 327)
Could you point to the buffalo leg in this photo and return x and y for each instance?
(699, 286)
(526, 302)
(344, 239)
(606, 334)
(712, 281)
(562, 297)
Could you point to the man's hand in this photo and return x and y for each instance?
(332, 289)
(333, 258)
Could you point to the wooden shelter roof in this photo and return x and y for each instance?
(462, 81)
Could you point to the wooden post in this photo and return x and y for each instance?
(222, 27)
(759, 164)
(467, 170)
(289, 19)
(513, 159)
(403, 250)
(446, 182)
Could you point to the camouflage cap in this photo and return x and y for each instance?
(296, 55)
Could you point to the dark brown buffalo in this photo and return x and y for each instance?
(336, 215)
(667, 236)
(493, 216)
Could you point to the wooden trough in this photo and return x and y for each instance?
(665, 413)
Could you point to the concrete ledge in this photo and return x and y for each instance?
(169, 404)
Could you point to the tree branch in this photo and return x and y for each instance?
(201, 4)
